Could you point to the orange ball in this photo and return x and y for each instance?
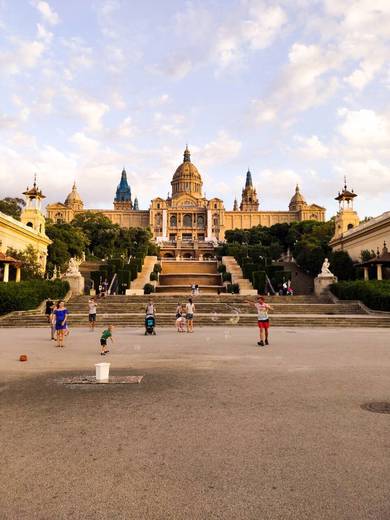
(23, 357)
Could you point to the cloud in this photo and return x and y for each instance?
(91, 110)
(365, 128)
(305, 82)
(222, 149)
(24, 55)
(311, 148)
(47, 13)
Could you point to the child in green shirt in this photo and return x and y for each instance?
(103, 340)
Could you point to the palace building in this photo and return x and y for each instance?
(187, 215)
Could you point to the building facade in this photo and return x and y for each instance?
(186, 214)
(354, 237)
(29, 231)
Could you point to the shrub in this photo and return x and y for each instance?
(153, 276)
(157, 268)
(28, 295)
(222, 268)
(148, 288)
(226, 277)
(375, 294)
(259, 280)
(233, 288)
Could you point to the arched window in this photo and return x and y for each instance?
(158, 205)
(158, 219)
(215, 219)
(187, 220)
(173, 221)
(200, 220)
(350, 226)
(215, 206)
(29, 224)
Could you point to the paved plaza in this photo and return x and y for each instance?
(218, 428)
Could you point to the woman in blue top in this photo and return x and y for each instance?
(60, 315)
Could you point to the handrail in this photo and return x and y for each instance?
(112, 283)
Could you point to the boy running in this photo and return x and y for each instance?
(103, 340)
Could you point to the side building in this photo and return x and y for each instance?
(30, 230)
(354, 237)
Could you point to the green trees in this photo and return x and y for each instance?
(68, 241)
(30, 262)
(108, 240)
(12, 206)
(256, 248)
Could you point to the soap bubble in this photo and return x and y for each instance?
(214, 316)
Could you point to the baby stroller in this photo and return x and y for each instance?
(150, 323)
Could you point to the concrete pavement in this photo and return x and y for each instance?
(218, 428)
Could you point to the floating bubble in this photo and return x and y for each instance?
(236, 316)
(214, 316)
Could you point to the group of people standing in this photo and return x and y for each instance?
(57, 316)
(185, 316)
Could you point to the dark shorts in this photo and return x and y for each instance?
(264, 324)
(103, 342)
(189, 316)
(92, 317)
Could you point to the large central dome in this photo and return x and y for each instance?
(187, 179)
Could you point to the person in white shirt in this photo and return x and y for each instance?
(190, 310)
(262, 320)
(92, 305)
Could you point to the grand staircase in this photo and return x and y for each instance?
(178, 276)
(211, 310)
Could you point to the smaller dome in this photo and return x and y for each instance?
(73, 196)
(297, 197)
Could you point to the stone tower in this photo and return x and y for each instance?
(122, 199)
(73, 200)
(249, 200)
(346, 217)
(32, 215)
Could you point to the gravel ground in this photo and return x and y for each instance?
(218, 429)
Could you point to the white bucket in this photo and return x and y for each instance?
(102, 371)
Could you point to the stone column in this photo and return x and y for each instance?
(366, 273)
(209, 226)
(164, 224)
(6, 273)
(379, 271)
(18, 274)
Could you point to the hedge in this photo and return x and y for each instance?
(258, 281)
(23, 296)
(374, 293)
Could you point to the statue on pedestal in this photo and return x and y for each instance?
(324, 279)
(325, 271)
(74, 277)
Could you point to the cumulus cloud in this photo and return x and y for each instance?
(89, 109)
(311, 148)
(47, 13)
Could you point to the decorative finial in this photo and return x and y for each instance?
(345, 182)
(35, 180)
(187, 154)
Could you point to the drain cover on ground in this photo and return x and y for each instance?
(379, 407)
(91, 380)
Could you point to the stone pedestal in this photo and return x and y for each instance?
(76, 282)
(322, 283)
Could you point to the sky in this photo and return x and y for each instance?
(296, 90)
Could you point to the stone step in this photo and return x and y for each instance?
(314, 308)
(134, 320)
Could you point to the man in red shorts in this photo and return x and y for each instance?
(262, 320)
